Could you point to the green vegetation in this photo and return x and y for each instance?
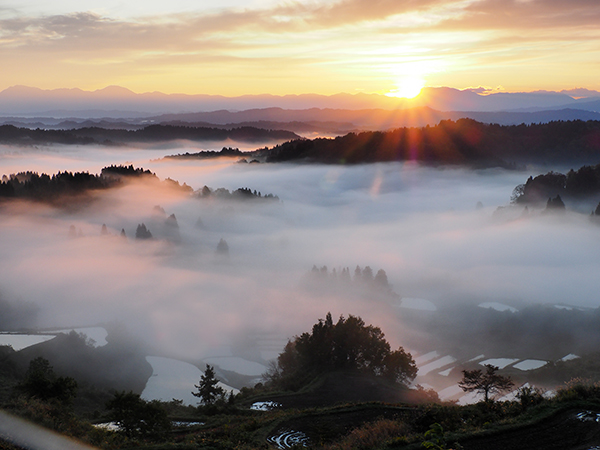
(348, 344)
(138, 418)
(42, 383)
(347, 354)
(209, 391)
(487, 383)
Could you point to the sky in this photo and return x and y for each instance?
(237, 47)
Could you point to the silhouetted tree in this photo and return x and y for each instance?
(159, 211)
(137, 417)
(42, 383)
(208, 389)
(487, 383)
(347, 344)
(555, 204)
(367, 274)
(222, 248)
(381, 279)
(172, 229)
(142, 232)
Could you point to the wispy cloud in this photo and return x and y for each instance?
(316, 37)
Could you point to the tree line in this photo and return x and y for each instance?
(9, 134)
(64, 185)
(43, 187)
(465, 142)
(575, 184)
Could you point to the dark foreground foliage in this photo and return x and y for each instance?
(530, 422)
(348, 344)
(565, 422)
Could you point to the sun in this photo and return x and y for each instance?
(408, 87)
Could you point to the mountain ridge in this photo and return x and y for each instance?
(25, 100)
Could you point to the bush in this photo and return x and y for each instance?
(579, 389)
(137, 417)
(373, 435)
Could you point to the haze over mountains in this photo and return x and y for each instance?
(333, 114)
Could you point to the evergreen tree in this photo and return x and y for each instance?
(142, 232)
(223, 248)
(208, 390)
(381, 279)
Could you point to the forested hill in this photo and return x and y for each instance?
(465, 142)
(10, 134)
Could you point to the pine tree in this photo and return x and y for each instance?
(208, 390)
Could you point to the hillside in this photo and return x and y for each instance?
(9, 134)
(465, 142)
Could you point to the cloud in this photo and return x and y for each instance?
(528, 15)
(344, 45)
(418, 224)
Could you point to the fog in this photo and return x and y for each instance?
(420, 225)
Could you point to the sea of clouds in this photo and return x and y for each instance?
(421, 225)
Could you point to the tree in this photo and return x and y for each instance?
(223, 248)
(555, 204)
(142, 232)
(42, 383)
(381, 279)
(348, 344)
(488, 383)
(137, 417)
(208, 389)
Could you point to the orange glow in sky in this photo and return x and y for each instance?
(307, 46)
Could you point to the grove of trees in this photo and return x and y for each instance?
(576, 184)
(138, 418)
(348, 344)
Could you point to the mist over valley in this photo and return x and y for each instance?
(436, 233)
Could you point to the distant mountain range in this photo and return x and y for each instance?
(306, 122)
(307, 114)
(115, 101)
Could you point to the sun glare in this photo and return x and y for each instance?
(408, 88)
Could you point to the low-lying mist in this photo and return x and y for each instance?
(423, 226)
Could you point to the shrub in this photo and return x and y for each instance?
(579, 389)
(373, 435)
